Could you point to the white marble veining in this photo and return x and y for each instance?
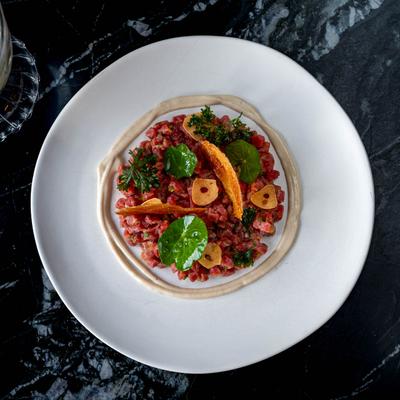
(109, 44)
(368, 378)
(140, 27)
(8, 285)
(338, 17)
(332, 19)
(266, 20)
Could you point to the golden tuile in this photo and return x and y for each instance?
(226, 174)
(158, 208)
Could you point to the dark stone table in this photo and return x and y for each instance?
(353, 48)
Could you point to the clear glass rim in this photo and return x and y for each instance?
(5, 50)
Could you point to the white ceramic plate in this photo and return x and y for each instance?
(253, 323)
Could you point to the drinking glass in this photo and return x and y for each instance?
(19, 81)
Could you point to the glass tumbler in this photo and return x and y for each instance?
(19, 81)
(5, 50)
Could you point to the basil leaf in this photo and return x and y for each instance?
(183, 242)
(246, 157)
(180, 161)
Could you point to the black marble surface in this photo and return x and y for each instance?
(353, 48)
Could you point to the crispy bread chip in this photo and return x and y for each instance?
(156, 207)
(152, 202)
(226, 174)
(265, 198)
(204, 191)
(212, 256)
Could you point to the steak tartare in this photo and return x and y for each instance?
(172, 167)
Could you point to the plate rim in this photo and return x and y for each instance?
(233, 365)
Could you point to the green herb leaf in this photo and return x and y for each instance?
(180, 161)
(217, 132)
(207, 114)
(239, 129)
(202, 122)
(183, 242)
(246, 157)
(236, 122)
(141, 171)
(243, 258)
(249, 214)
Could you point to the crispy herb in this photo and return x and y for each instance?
(218, 133)
(207, 114)
(240, 129)
(249, 214)
(221, 135)
(141, 171)
(202, 122)
(236, 122)
(243, 258)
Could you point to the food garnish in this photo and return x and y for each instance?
(156, 207)
(153, 201)
(212, 256)
(205, 125)
(245, 156)
(204, 191)
(265, 198)
(183, 242)
(239, 129)
(249, 214)
(226, 174)
(179, 161)
(189, 128)
(243, 258)
(141, 171)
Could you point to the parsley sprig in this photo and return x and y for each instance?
(243, 258)
(240, 129)
(141, 171)
(219, 133)
(203, 122)
(249, 215)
